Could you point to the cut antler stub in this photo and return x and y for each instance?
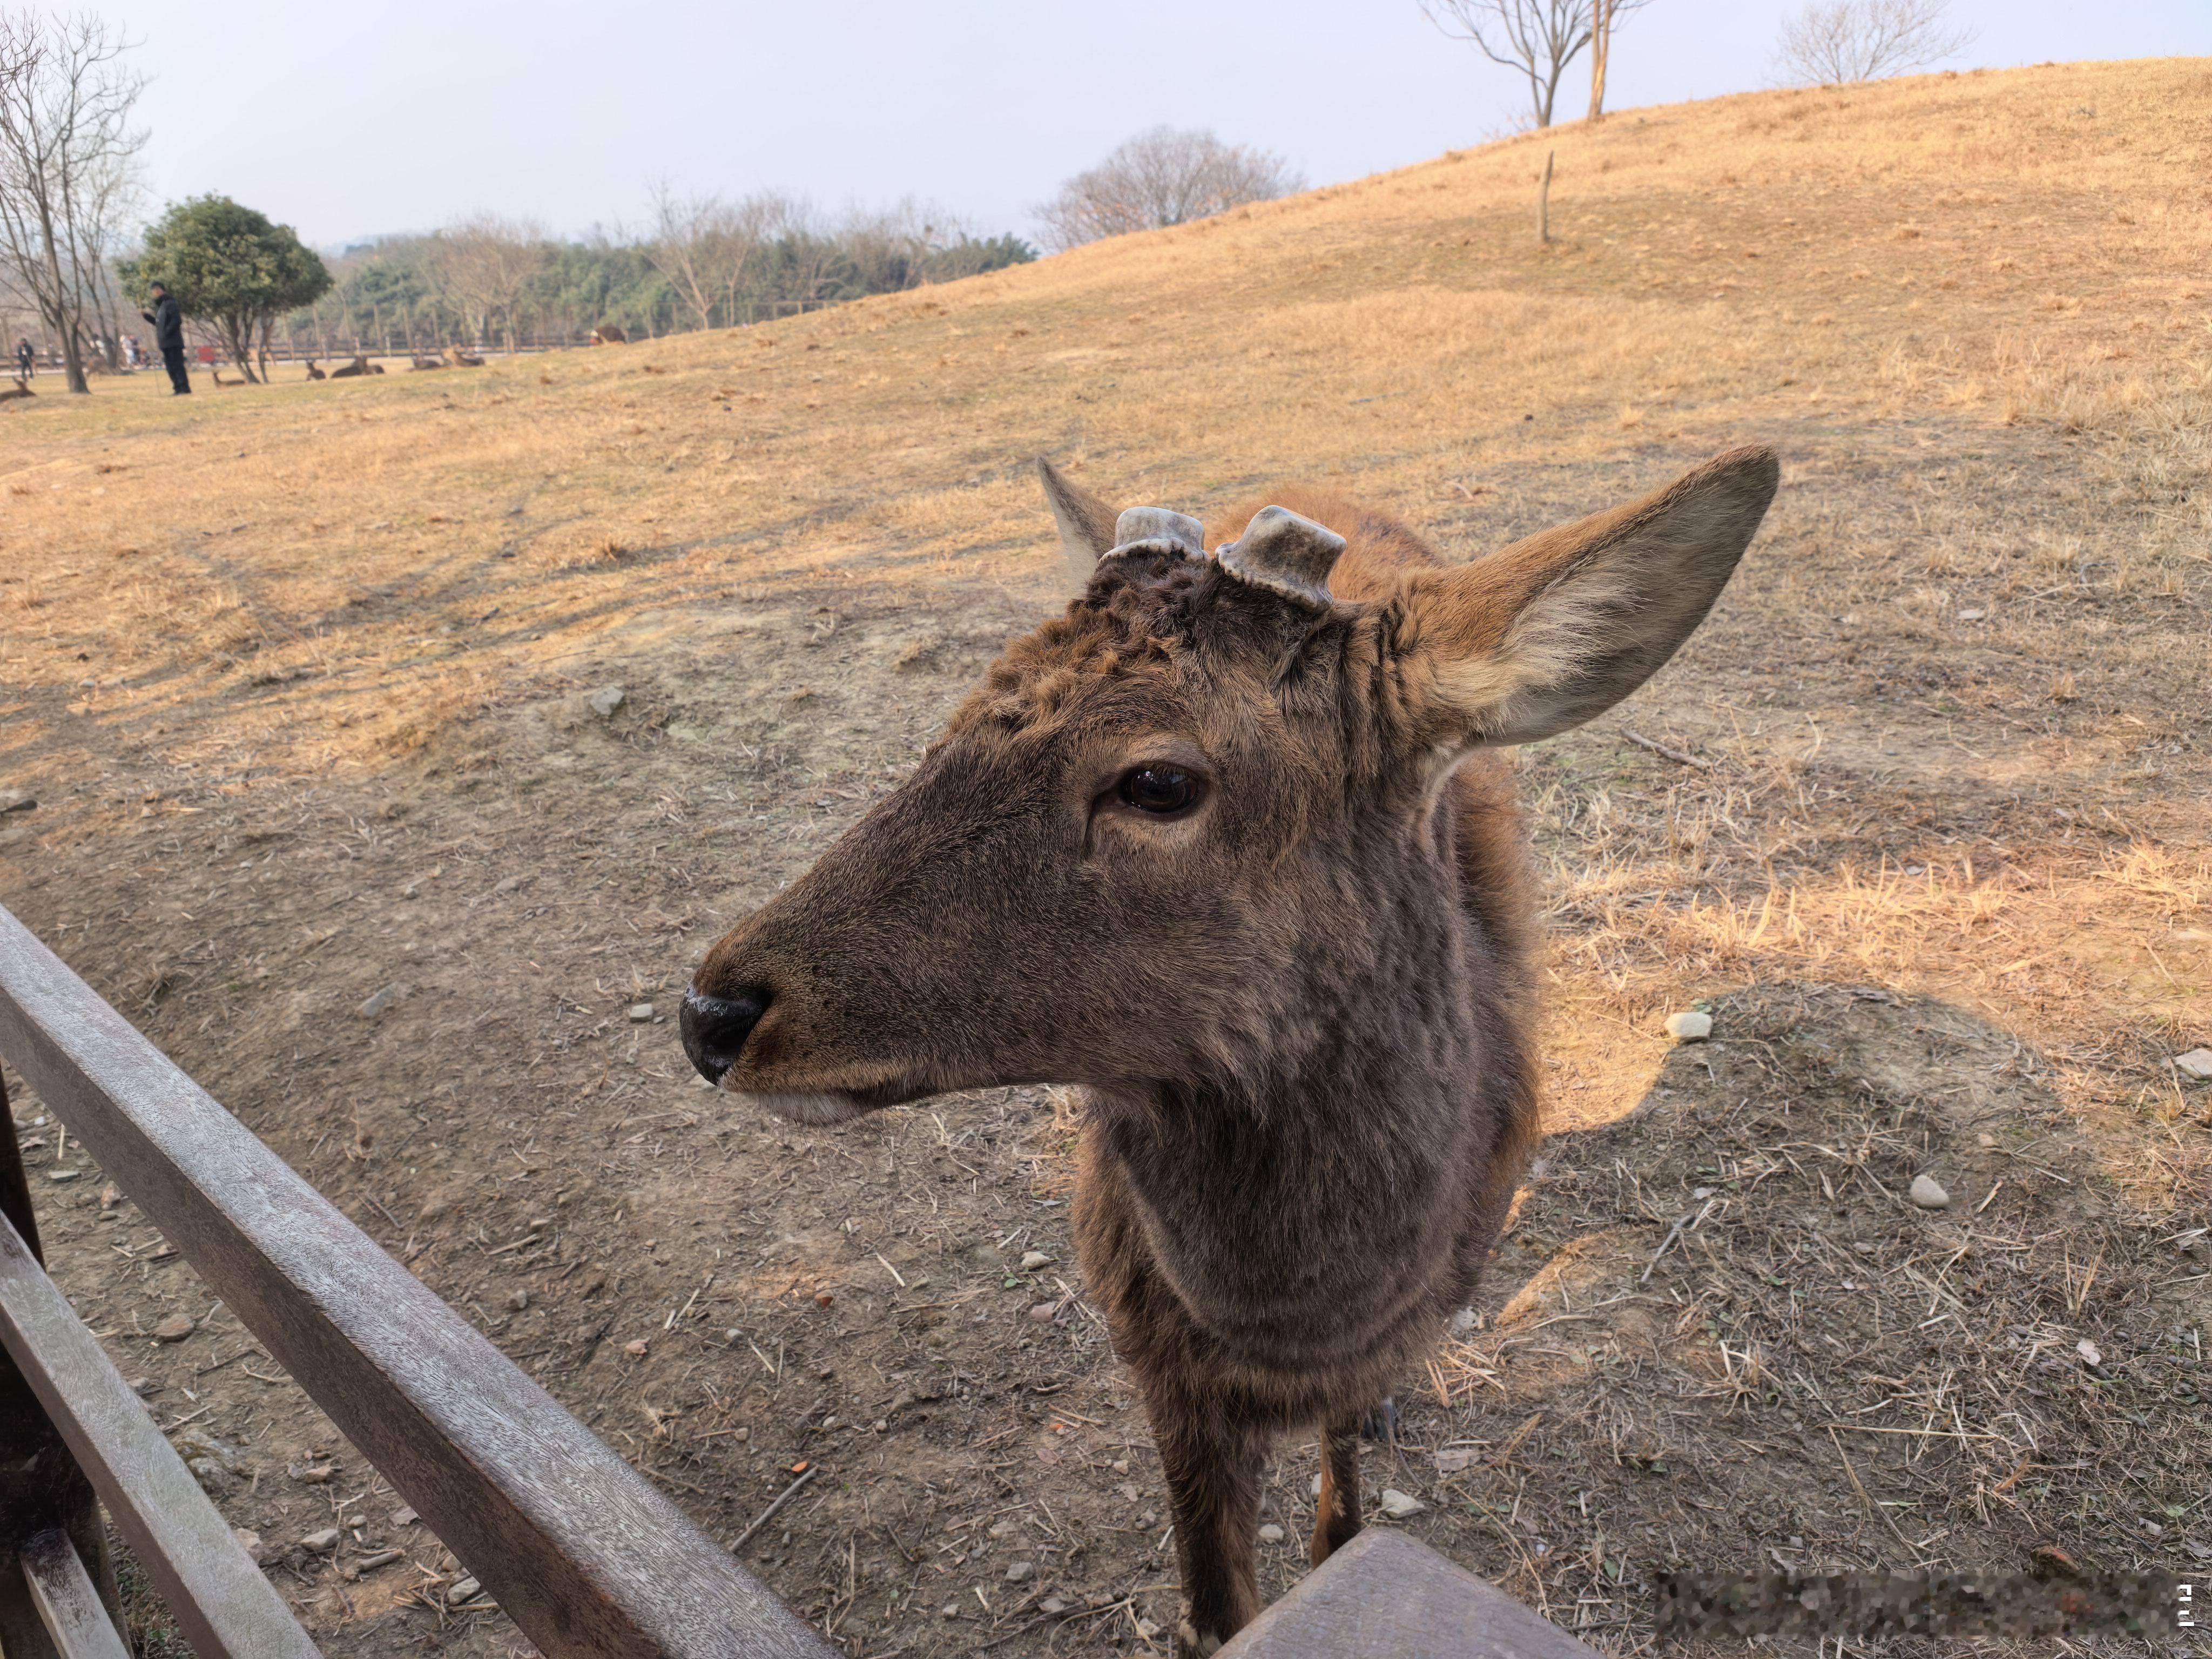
(1286, 553)
(1158, 530)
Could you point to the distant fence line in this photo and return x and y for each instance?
(397, 341)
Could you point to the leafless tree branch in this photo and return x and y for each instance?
(702, 245)
(1841, 41)
(1540, 38)
(1163, 177)
(484, 262)
(69, 173)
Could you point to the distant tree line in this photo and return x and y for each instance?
(703, 263)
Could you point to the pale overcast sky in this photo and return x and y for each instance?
(348, 121)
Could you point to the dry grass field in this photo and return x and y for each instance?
(298, 678)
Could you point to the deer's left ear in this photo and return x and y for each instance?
(1552, 631)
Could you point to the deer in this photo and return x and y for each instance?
(359, 365)
(314, 373)
(464, 358)
(1231, 848)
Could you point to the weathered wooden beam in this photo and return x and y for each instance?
(218, 1597)
(1385, 1595)
(68, 1602)
(580, 1552)
(41, 1488)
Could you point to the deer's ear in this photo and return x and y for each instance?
(1086, 523)
(1545, 633)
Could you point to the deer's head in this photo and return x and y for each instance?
(1182, 831)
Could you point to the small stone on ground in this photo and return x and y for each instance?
(1398, 1504)
(2196, 1063)
(641, 1013)
(1035, 1260)
(374, 1007)
(605, 700)
(1271, 1533)
(1929, 1194)
(1021, 1572)
(175, 1328)
(1689, 1026)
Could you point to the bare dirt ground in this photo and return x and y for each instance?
(298, 678)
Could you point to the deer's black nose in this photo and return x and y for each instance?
(715, 1029)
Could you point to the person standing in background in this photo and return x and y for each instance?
(169, 322)
(27, 361)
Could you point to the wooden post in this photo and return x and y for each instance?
(1543, 203)
(1385, 1595)
(41, 1488)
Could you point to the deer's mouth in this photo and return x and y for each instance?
(822, 1105)
(812, 1107)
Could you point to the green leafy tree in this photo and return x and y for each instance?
(230, 268)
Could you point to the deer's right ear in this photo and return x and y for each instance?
(1543, 635)
(1086, 523)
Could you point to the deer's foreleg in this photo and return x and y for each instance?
(1336, 1516)
(1210, 1454)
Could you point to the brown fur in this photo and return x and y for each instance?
(1300, 1012)
(313, 374)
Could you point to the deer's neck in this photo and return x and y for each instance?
(1308, 1206)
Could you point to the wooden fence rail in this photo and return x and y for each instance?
(584, 1554)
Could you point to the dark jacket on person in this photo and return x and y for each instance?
(169, 323)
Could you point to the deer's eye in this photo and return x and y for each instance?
(1163, 791)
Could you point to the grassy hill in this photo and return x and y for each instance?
(297, 676)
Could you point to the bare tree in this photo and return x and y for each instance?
(484, 263)
(702, 246)
(1834, 43)
(1540, 38)
(68, 172)
(1163, 177)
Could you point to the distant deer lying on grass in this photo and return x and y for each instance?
(464, 359)
(313, 374)
(1231, 845)
(358, 366)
